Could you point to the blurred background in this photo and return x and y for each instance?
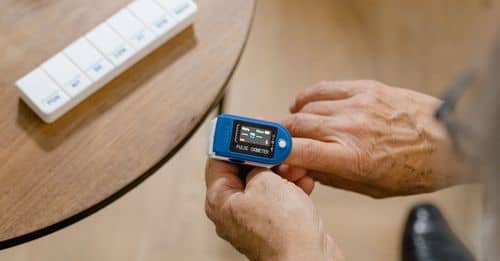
(417, 44)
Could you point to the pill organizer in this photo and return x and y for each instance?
(86, 65)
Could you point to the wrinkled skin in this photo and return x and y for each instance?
(361, 136)
(367, 137)
(267, 217)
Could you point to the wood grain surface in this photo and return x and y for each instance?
(417, 44)
(50, 173)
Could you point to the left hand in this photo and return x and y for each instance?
(371, 138)
(266, 218)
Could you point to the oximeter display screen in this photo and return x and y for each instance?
(253, 139)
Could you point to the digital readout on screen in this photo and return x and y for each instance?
(256, 136)
(253, 139)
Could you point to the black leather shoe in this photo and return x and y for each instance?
(428, 237)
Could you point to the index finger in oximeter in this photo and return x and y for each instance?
(248, 141)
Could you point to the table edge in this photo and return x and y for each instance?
(42, 232)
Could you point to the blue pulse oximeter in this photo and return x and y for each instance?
(248, 141)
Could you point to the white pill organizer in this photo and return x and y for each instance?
(86, 65)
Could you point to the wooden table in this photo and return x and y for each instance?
(54, 175)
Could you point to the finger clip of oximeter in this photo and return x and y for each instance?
(248, 141)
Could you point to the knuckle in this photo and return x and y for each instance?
(343, 87)
(364, 121)
(212, 213)
(211, 201)
(355, 127)
(370, 84)
(365, 100)
(376, 88)
(321, 89)
(294, 122)
(323, 85)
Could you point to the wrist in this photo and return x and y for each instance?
(324, 250)
(447, 167)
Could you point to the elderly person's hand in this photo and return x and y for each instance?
(370, 138)
(266, 217)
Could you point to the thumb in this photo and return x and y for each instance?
(262, 180)
(222, 181)
(254, 174)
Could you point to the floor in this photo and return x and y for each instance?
(294, 43)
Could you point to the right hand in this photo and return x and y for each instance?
(370, 138)
(266, 217)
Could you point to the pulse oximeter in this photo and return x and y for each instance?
(248, 141)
